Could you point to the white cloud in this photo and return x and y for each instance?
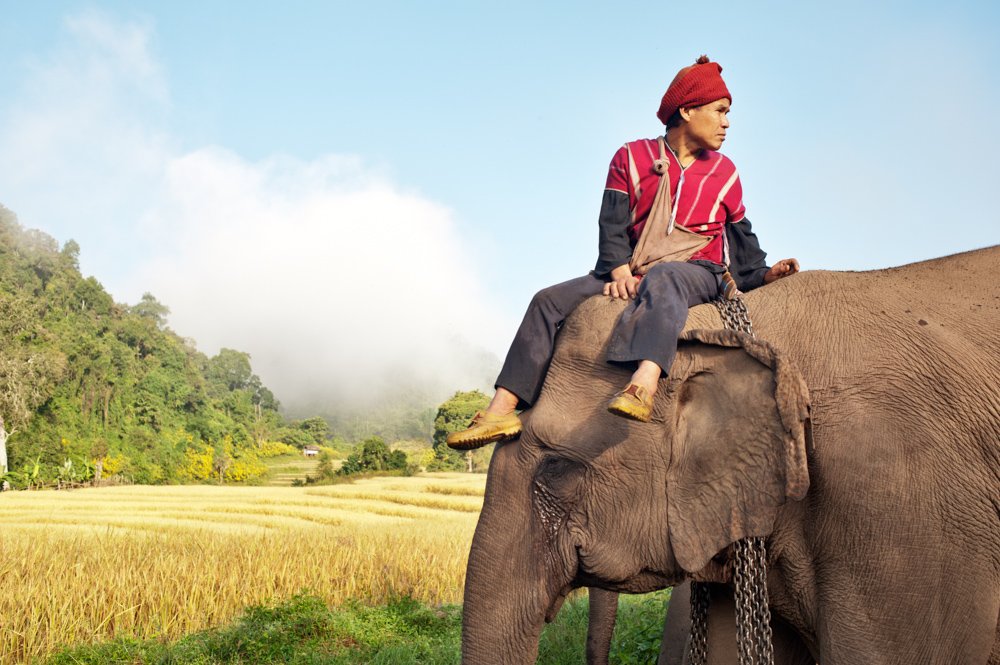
(82, 146)
(328, 275)
(336, 281)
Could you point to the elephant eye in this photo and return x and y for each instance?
(559, 476)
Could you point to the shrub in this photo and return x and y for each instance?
(276, 449)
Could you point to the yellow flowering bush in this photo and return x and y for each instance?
(275, 449)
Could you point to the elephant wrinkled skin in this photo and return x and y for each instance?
(859, 433)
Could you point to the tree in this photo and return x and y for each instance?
(317, 428)
(115, 390)
(228, 371)
(99, 451)
(452, 416)
(71, 254)
(28, 370)
(152, 309)
(221, 461)
(373, 455)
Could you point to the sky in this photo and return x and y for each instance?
(367, 194)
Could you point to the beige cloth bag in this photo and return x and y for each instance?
(661, 240)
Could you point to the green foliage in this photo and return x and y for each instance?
(317, 429)
(312, 432)
(150, 308)
(452, 416)
(84, 380)
(303, 630)
(300, 631)
(638, 631)
(327, 469)
(455, 413)
(372, 455)
(295, 437)
(275, 449)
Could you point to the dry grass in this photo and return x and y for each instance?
(88, 565)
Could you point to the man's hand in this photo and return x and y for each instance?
(623, 283)
(782, 268)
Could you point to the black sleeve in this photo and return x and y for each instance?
(613, 246)
(746, 258)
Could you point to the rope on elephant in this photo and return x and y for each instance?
(753, 616)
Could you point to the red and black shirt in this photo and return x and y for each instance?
(707, 199)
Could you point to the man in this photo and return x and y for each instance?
(672, 221)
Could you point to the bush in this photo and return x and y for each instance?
(373, 455)
(276, 449)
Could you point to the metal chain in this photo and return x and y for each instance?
(734, 315)
(698, 645)
(753, 617)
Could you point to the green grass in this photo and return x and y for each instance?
(304, 631)
(637, 632)
(299, 631)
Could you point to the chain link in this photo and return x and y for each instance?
(698, 645)
(753, 617)
(735, 315)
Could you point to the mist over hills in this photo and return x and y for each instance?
(85, 378)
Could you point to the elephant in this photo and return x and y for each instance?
(603, 611)
(721, 629)
(858, 432)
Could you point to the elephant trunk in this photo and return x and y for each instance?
(503, 613)
(510, 582)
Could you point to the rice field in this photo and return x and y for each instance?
(88, 565)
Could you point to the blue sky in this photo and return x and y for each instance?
(389, 182)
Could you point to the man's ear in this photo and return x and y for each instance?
(740, 429)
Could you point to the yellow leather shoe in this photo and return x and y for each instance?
(485, 428)
(634, 403)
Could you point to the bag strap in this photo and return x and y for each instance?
(663, 195)
(659, 221)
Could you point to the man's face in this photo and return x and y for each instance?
(707, 124)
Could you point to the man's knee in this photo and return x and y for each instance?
(551, 302)
(559, 298)
(545, 299)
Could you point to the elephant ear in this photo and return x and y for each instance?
(741, 424)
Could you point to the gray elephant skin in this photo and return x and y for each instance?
(859, 432)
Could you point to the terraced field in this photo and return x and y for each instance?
(86, 565)
(290, 468)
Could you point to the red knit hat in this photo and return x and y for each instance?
(695, 85)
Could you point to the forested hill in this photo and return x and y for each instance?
(90, 386)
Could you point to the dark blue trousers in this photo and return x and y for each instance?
(647, 330)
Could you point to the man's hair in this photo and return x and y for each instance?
(674, 120)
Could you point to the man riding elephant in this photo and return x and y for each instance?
(673, 234)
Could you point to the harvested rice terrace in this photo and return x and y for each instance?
(371, 501)
(138, 561)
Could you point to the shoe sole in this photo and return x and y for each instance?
(629, 416)
(479, 442)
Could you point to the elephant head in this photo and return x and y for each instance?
(588, 499)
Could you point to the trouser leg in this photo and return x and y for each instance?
(649, 327)
(531, 351)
